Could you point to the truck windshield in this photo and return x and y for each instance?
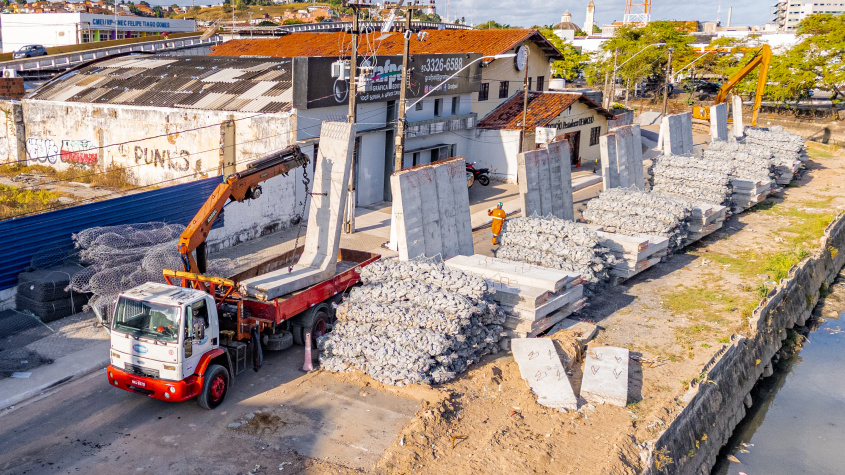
(147, 319)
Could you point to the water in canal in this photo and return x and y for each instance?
(797, 422)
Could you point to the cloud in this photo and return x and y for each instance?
(542, 12)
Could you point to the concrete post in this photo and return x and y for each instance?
(608, 161)
(739, 128)
(719, 122)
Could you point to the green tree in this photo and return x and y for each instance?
(573, 59)
(491, 25)
(291, 21)
(816, 61)
(267, 23)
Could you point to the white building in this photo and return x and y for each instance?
(63, 29)
(787, 14)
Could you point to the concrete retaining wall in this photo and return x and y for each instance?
(622, 158)
(545, 181)
(714, 409)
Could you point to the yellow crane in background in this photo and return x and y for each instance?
(762, 58)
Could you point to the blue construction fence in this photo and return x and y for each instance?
(24, 237)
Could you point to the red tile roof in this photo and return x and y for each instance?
(486, 42)
(543, 107)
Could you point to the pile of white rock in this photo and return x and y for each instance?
(778, 140)
(745, 163)
(556, 244)
(692, 178)
(634, 213)
(413, 322)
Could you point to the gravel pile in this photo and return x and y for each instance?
(744, 165)
(413, 322)
(633, 213)
(778, 140)
(692, 178)
(557, 244)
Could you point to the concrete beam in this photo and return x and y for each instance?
(719, 122)
(514, 273)
(739, 128)
(609, 171)
(560, 167)
(606, 376)
(540, 366)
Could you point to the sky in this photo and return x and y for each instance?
(545, 12)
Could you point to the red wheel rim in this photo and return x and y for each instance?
(320, 328)
(218, 387)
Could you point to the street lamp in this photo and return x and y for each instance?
(616, 68)
(495, 56)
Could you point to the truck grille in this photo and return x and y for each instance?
(141, 371)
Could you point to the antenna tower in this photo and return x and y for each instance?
(637, 12)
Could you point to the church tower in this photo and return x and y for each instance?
(591, 16)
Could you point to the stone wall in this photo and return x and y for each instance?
(692, 441)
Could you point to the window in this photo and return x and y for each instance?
(438, 107)
(455, 103)
(541, 83)
(503, 90)
(595, 132)
(484, 93)
(418, 106)
(529, 84)
(390, 117)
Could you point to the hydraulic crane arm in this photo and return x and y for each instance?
(763, 59)
(239, 186)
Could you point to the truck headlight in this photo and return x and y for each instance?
(172, 389)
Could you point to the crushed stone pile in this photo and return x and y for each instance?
(557, 244)
(118, 258)
(692, 178)
(745, 166)
(413, 322)
(778, 140)
(634, 213)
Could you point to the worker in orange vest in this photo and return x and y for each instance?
(498, 215)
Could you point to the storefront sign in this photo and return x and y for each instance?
(320, 89)
(573, 123)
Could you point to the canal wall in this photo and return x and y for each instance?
(717, 402)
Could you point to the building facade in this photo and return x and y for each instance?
(787, 14)
(63, 29)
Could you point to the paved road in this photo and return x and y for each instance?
(89, 427)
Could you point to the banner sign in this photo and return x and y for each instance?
(427, 71)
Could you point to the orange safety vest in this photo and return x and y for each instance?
(499, 216)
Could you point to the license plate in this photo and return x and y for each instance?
(138, 383)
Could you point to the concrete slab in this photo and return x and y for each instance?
(540, 366)
(587, 181)
(719, 122)
(545, 181)
(631, 272)
(685, 120)
(431, 210)
(512, 272)
(513, 295)
(533, 313)
(636, 247)
(606, 376)
(673, 135)
(518, 328)
(609, 171)
(325, 218)
(738, 127)
(584, 331)
(560, 162)
(636, 174)
(624, 154)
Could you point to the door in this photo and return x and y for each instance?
(388, 162)
(197, 336)
(574, 139)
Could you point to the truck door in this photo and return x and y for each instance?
(197, 336)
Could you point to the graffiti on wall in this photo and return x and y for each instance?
(177, 160)
(78, 151)
(42, 150)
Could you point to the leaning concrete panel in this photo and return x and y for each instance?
(636, 174)
(606, 376)
(560, 160)
(719, 122)
(431, 210)
(739, 128)
(673, 135)
(528, 175)
(322, 239)
(624, 153)
(686, 129)
(610, 175)
(540, 366)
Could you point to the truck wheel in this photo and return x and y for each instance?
(280, 341)
(214, 387)
(316, 321)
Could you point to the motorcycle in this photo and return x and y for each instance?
(479, 174)
(470, 179)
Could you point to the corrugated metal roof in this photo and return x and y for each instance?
(194, 82)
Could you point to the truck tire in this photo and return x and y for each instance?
(214, 387)
(315, 320)
(280, 341)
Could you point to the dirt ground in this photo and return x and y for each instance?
(673, 318)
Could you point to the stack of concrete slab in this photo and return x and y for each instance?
(748, 193)
(605, 378)
(322, 239)
(705, 219)
(431, 210)
(541, 367)
(752, 174)
(676, 135)
(557, 244)
(536, 298)
(634, 254)
(545, 181)
(622, 158)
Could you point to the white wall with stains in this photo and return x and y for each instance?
(12, 135)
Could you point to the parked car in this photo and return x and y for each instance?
(701, 86)
(30, 51)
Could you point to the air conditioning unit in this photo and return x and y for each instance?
(10, 73)
(341, 70)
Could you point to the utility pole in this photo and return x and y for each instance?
(250, 25)
(352, 117)
(400, 121)
(613, 81)
(668, 78)
(525, 104)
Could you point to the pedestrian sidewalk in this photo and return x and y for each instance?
(73, 347)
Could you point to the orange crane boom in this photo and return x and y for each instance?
(239, 186)
(763, 58)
